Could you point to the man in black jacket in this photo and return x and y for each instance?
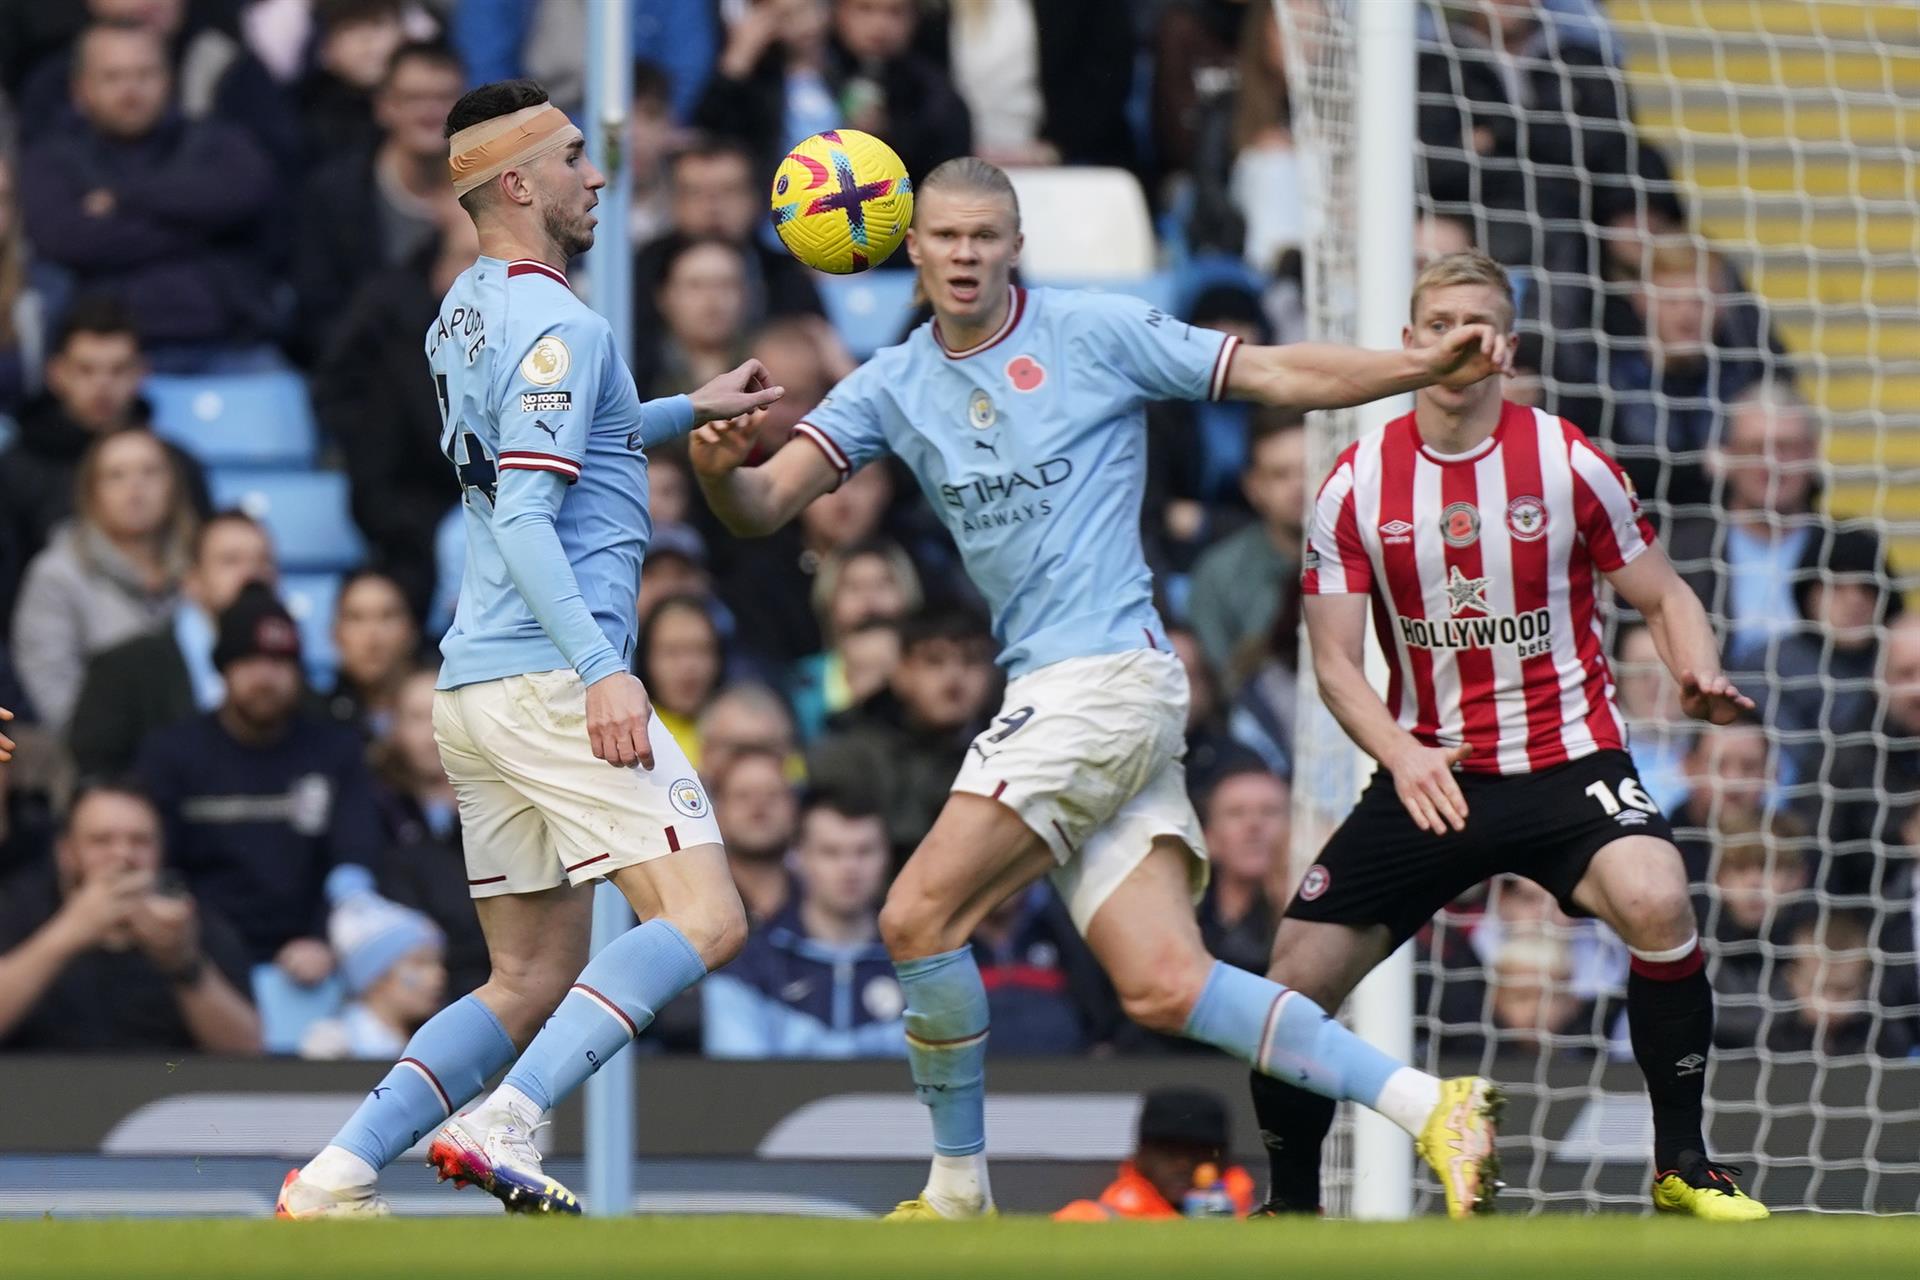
(167, 676)
(163, 212)
(376, 208)
(260, 801)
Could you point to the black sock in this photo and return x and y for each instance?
(1670, 1018)
(1293, 1124)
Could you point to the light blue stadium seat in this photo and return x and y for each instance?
(1157, 288)
(306, 512)
(237, 419)
(869, 309)
(310, 598)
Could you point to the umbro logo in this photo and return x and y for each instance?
(1691, 1065)
(1630, 818)
(1396, 532)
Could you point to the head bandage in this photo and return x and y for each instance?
(480, 153)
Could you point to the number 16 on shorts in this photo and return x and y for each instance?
(1628, 804)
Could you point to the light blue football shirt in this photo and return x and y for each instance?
(546, 433)
(1032, 449)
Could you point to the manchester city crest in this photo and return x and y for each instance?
(980, 411)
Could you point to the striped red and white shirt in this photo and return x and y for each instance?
(1484, 572)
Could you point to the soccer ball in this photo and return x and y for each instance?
(842, 201)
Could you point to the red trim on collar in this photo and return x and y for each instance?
(1014, 312)
(529, 267)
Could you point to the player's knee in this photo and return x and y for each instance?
(717, 930)
(913, 924)
(1657, 916)
(1161, 997)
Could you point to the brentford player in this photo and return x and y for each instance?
(1478, 532)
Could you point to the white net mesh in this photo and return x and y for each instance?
(1709, 209)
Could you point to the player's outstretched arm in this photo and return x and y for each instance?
(754, 501)
(6, 743)
(1422, 775)
(742, 390)
(1319, 375)
(1680, 630)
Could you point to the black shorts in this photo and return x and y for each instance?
(1379, 868)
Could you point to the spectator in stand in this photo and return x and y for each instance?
(815, 980)
(1211, 748)
(338, 99)
(1758, 876)
(1435, 235)
(1265, 181)
(215, 75)
(1743, 558)
(758, 814)
(678, 660)
(1239, 582)
(1824, 995)
(768, 582)
(93, 389)
(261, 801)
(1657, 383)
(1509, 114)
(1178, 1167)
(506, 39)
(393, 961)
(163, 212)
(906, 742)
(1595, 959)
(702, 303)
(166, 675)
(379, 206)
(102, 948)
(27, 298)
(1045, 81)
(1248, 822)
(1197, 454)
(110, 574)
(1262, 717)
(676, 563)
(1530, 999)
(869, 582)
(652, 138)
(791, 68)
(718, 194)
(795, 359)
(425, 866)
(1728, 769)
(1820, 673)
(1872, 778)
(1046, 994)
(1658, 734)
(377, 640)
(372, 394)
(746, 717)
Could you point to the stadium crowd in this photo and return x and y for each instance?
(215, 836)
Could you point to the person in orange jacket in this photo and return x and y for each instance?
(1175, 1170)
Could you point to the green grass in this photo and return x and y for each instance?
(1610, 1248)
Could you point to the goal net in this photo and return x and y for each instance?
(1709, 211)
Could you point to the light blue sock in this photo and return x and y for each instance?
(947, 1046)
(1283, 1034)
(616, 997)
(445, 1064)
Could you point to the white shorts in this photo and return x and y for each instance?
(537, 808)
(1088, 753)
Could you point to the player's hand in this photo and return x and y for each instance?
(167, 928)
(735, 392)
(1423, 778)
(102, 906)
(1468, 354)
(6, 743)
(307, 961)
(617, 715)
(719, 447)
(1713, 698)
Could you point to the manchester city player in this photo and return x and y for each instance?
(563, 775)
(1020, 413)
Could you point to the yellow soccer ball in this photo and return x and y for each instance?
(842, 201)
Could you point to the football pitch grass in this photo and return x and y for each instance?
(1596, 1248)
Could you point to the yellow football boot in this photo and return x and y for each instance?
(1700, 1188)
(1458, 1143)
(920, 1209)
